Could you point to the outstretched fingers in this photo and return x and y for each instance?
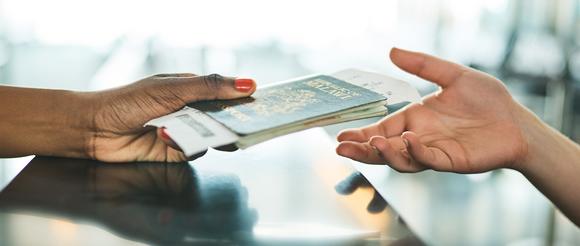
(403, 153)
(392, 125)
(431, 157)
(362, 152)
(360, 135)
(393, 152)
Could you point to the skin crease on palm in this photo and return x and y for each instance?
(469, 126)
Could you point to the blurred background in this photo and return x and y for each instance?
(532, 45)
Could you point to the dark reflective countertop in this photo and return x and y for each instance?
(292, 190)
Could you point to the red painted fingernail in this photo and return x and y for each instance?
(164, 134)
(244, 85)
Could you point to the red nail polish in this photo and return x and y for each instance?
(164, 134)
(244, 85)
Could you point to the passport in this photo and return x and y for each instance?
(284, 104)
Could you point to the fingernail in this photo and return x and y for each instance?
(244, 85)
(164, 134)
(406, 142)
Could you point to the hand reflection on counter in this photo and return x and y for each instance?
(153, 202)
(376, 205)
(356, 180)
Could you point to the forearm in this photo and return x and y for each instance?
(552, 164)
(43, 122)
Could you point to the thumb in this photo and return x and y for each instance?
(441, 72)
(210, 87)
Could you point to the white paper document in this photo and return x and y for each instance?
(397, 91)
(193, 131)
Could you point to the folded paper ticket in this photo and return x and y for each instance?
(283, 108)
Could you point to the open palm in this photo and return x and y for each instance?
(469, 126)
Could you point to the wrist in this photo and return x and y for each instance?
(68, 125)
(552, 165)
(44, 122)
(543, 144)
(79, 122)
(532, 129)
(61, 124)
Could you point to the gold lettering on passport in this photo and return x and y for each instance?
(331, 88)
(282, 101)
(236, 113)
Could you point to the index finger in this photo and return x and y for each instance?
(392, 125)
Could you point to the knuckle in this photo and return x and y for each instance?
(162, 75)
(213, 82)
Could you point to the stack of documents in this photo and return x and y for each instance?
(283, 108)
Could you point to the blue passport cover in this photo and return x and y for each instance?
(287, 103)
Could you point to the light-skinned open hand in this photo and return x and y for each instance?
(471, 125)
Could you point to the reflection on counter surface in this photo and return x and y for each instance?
(251, 197)
(152, 202)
